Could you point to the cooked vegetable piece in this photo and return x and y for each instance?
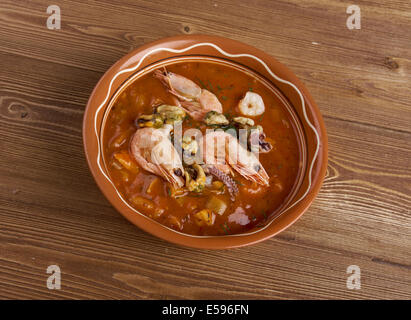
(147, 206)
(218, 185)
(173, 222)
(155, 183)
(175, 192)
(119, 141)
(126, 161)
(116, 165)
(204, 218)
(216, 205)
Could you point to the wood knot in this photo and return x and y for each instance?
(358, 91)
(187, 29)
(390, 63)
(15, 108)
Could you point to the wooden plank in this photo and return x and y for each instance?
(51, 211)
(372, 86)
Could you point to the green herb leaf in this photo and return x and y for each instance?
(224, 229)
(238, 182)
(201, 82)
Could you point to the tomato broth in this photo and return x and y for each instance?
(153, 196)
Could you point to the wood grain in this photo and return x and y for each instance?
(51, 211)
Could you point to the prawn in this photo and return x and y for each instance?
(196, 101)
(251, 105)
(223, 151)
(154, 152)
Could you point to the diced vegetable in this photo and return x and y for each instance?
(142, 203)
(116, 165)
(204, 218)
(216, 205)
(154, 183)
(175, 193)
(147, 206)
(173, 222)
(126, 161)
(119, 141)
(218, 185)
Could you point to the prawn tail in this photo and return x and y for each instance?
(175, 181)
(260, 177)
(170, 177)
(193, 108)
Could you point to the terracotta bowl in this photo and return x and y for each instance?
(312, 134)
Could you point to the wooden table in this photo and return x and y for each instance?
(52, 213)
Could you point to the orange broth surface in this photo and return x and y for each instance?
(254, 204)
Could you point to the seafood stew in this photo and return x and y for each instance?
(202, 148)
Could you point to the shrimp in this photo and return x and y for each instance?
(223, 151)
(196, 101)
(154, 152)
(251, 105)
